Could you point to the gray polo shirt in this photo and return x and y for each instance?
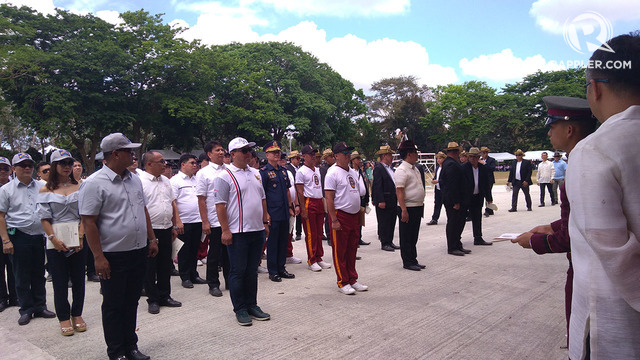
(119, 204)
(18, 201)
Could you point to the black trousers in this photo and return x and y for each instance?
(437, 205)
(277, 246)
(91, 266)
(517, 186)
(244, 255)
(8, 283)
(157, 283)
(475, 211)
(487, 210)
(188, 254)
(217, 256)
(386, 223)
(549, 187)
(28, 269)
(298, 225)
(63, 269)
(120, 296)
(455, 226)
(409, 234)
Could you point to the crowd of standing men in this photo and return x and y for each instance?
(131, 218)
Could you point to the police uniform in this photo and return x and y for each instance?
(276, 184)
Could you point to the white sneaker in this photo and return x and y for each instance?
(359, 287)
(324, 265)
(347, 290)
(262, 270)
(315, 267)
(294, 260)
(200, 263)
(204, 261)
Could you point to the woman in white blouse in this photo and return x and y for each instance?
(58, 210)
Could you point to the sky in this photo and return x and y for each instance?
(498, 42)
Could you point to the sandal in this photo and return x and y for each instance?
(79, 327)
(66, 330)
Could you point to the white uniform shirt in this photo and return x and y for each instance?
(205, 187)
(159, 199)
(311, 181)
(604, 226)
(346, 187)
(546, 171)
(242, 192)
(184, 189)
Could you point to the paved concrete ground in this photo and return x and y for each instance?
(500, 302)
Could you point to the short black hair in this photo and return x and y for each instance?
(186, 157)
(146, 157)
(210, 145)
(41, 164)
(404, 152)
(622, 66)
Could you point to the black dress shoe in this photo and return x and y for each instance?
(93, 278)
(298, 237)
(363, 243)
(24, 319)
(480, 241)
(388, 248)
(324, 237)
(3, 305)
(121, 357)
(468, 218)
(529, 209)
(466, 251)
(275, 277)
(456, 253)
(286, 275)
(541, 205)
(433, 222)
(175, 272)
(154, 308)
(215, 291)
(412, 267)
(142, 293)
(199, 280)
(137, 355)
(45, 314)
(169, 302)
(512, 210)
(187, 284)
(422, 266)
(394, 246)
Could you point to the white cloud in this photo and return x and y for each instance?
(110, 16)
(504, 66)
(356, 59)
(551, 15)
(339, 8)
(43, 6)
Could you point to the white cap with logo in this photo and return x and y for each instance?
(239, 143)
(20, 157)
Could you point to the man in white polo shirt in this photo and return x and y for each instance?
(343, 203)
(217, 254)
(189, 223)
(410, 194)
(242, 211)
(309, 188)
(163, 213)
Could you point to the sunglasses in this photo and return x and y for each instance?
(66, 163)
(5, 168)
(46, 171)
(244, 150)
(22, 165)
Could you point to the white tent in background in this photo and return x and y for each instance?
(536, 155)
(503, 156)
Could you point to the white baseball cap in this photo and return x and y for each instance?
(20, 157)
(117, 141)
(239, 143)
(4, 160)
(60, 154)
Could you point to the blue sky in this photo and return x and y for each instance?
(367, 40)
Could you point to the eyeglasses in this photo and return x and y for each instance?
(23, 165)
(163, 161)
(595, 80)
(66, 163)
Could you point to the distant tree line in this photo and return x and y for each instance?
(70, 79)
